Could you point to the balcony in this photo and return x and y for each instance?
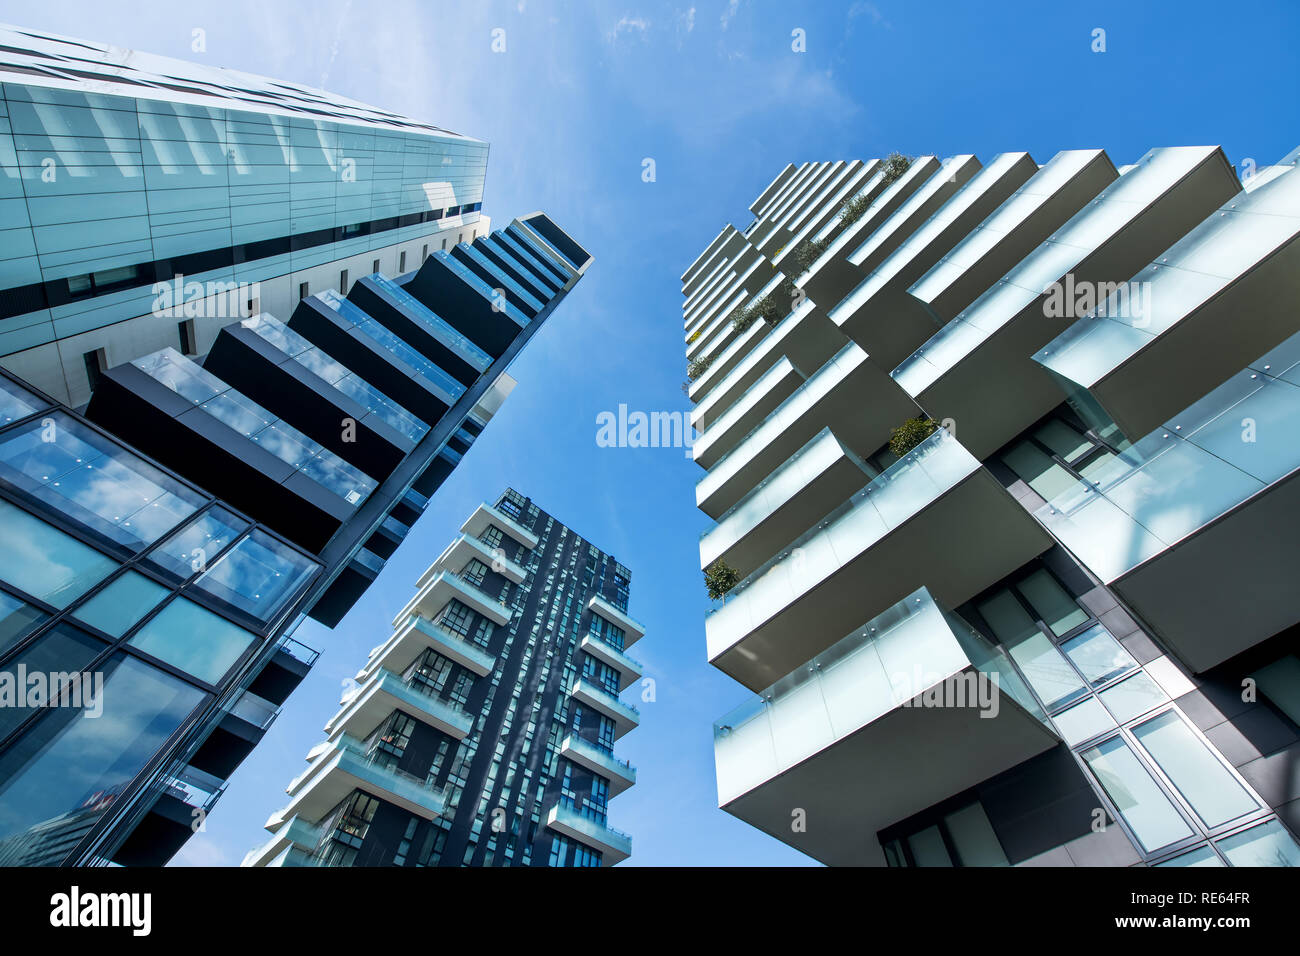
(441, 588)
(462, 549)
(980, 362)
(632, 628)
(1038, 208)
(1243, 260)
(934, 516)
(832, 276)
(583, 826)
(789, 501)
(625, 716)
(825, 218)
(418, 635)
(365, 707)
(1192, 525)
(879, 314)
(584, 753)
(340, 766)
(629, 670)
(906, 711)
(485, 515)
(852, 397)
(294, 832)
(771, 389)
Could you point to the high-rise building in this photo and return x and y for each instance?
(163, 542)
(1001, 462)
(482, 732)
(149, 201)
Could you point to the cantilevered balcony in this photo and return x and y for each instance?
(978, 367)
(585, 826)
(342, 765)
(824, 219)
(1194, 525)
(632, 628)
(485, 515)
(792, 499)
(629, 670)
(832, 276)
(584, 753)
(293, 832)
(1037, 209)
(854, 398)
(625, 716)
(934, 516)
(762, 398)
(1217, 298)
(366, 706)
(418, 635)
(879, 314)
(465, 547)
(441, 588)
(908, 710)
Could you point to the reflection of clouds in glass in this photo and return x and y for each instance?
(88, 477)
(193, 639)
(193, 547)
(142, 708)
(16, 402)
(45, 562)
(257, 575)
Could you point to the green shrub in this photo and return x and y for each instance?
(697, 367)
(894, 166)
(719, 578)
(910, 434)
(808, 252)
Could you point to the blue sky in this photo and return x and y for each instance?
(714, 94)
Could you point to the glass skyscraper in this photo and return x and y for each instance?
(303, 325)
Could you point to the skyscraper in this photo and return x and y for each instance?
(1001, 460)
(235, 474)
(482, 731)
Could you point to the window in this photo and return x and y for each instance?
(63, 651)
(961, 837)
(193, 639)
(401, 262)
(257, 576)
(424, 253)
(95, 362)
(375, 266)
(444, 245)
(1057, 455)
(343, 282)
(1202, 779)
(142, 708)
(189, 550)
(17, 620)
(304, 289)
(118, 607)
(42, 561)
(186, 333)
(512, 504)
(491, 536)
(94, 482)
(474, 572)
(1150, 815)
(456, 617)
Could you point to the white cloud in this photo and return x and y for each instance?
(629, 25)
(866, 8)
(730, 13)
(689, 19)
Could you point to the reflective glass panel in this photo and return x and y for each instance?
(257, 575)
(125, 600)
(50, 664)
(1054, 606)
(193, 639)
(1204, 781)
(16, 402)
(1266, 845)
(46, 563)
(190, 549)
(17, 620)
(1141, 802)
(94, 481)
(1098, 655)
(66, 771)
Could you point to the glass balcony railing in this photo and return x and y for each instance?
(258, 712)
(904, 488)
(297, 650)
(613, 701)
(194, 788)
(1182, 476)
(438, 327)
(878, 668)
(598, 754)
(499, 304)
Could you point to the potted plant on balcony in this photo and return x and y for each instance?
(719, 578)
(910, 434)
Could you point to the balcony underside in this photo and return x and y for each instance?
(964, 541)
(895, 766)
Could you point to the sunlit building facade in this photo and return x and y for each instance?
(999, 460)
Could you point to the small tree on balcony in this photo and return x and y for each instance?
(696, 368)
(910, 434)
(894, 166)
(719, 578)
(807, 253)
